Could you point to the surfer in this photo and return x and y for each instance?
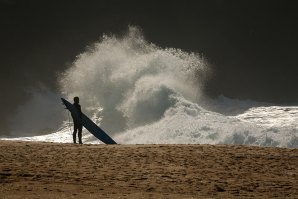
(77, 123)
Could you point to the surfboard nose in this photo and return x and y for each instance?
(63, 100)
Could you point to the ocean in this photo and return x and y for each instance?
(140, 93)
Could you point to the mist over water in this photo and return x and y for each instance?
(141, 93)
(42, 114)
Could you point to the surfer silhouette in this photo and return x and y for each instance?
(77, 123)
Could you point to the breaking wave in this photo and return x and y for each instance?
(129, 82)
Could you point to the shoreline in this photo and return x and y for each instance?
(99, 144)
(65, 170)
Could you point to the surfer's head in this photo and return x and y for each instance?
(76, 100)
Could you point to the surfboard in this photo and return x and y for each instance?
(89, 125)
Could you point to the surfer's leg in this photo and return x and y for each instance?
(74, 135)
(80, 128)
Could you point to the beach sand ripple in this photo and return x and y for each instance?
(52, 170)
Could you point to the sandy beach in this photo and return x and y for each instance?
(52, 170)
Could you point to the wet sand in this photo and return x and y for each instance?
(51, 170)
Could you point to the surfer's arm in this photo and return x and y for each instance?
(80, 112)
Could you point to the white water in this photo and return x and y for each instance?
(140, 93)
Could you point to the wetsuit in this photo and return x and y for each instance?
(77, 124)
